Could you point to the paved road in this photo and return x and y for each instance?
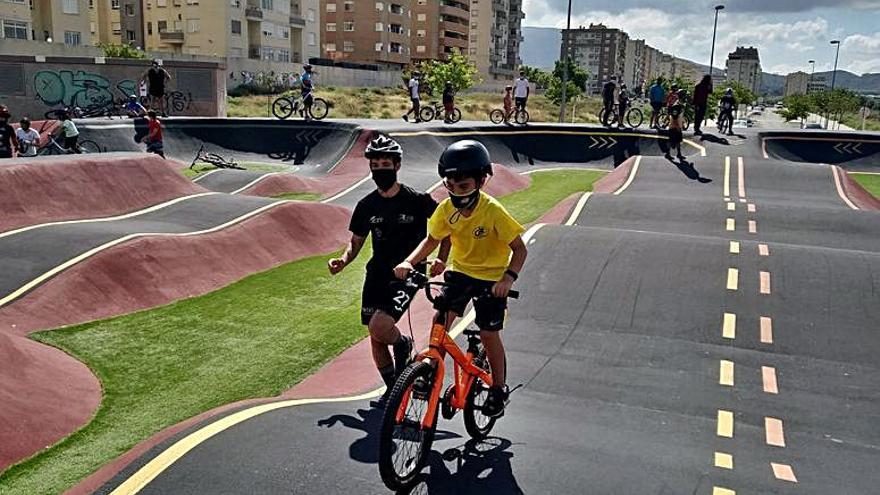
(711, 330)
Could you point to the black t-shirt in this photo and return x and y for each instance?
(7, 134)
(156, 78)
(727, 102)
(398, 225)
(608, 91)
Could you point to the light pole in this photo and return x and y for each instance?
(718, 8)
(565, 58)
(834, 74)
(812, 71)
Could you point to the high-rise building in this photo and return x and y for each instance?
(57, 21)
(796, 83)
(599, 49)
(634, 74)
(439, 28)
(367, 32)
(744, 67)
(495, 37)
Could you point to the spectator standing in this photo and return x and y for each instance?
(413, 88)
(657, 95)
(156, 78)
(28, 139)
(622, 105)
(676, 124)
(448, 102)
(508, 101)
(521, 90)
(7, 134)
(609, 89)
(701, 99)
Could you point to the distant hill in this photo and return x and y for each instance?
(774, 84)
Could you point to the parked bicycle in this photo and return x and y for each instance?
(285, 105)
(54, 145)
(214, 159)
(435, 110)
(520, 116)
(410, 419)
(633, 117)
(663, 119)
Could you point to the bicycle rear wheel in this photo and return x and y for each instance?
(663, 121)
(455, 116)
(88, 146)
(319, 109)
(496, 116)
(282, 108)
(404, 446)
(634, 118)
(522, 117)
(478, 425)
(426, 113)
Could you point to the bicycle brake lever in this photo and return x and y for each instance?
(514, 389)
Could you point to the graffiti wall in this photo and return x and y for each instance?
(195, 88)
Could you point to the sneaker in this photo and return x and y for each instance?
(406, 118)
(698, 133)
(496, 400)
(668, 156)
(402, 352)
(680, 156)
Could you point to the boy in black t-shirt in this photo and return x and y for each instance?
(7, 135)
(397, 217)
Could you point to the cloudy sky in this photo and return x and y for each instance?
(787, 33)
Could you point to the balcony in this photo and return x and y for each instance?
(253, 13)
(255, 52)
(453, 27)
(454, 11)
(297, 21)
(171, 37)
(455, 42)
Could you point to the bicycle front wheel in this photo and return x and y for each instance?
(522, 117)
(319, 109)
(634, 118)
(404, 444)
(663, 121)
(88, 146)
(455, 116)
(426, 114)
(476, 423)
(496, 116)
(282, 108)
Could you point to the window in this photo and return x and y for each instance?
(92, 27)
(421, 33)
(285, 33)
(129, 9)
(348, 46)
(150, 28)
(71, 7)
(15, 30)
(348, 6)
(161, 3)
(421, 17)
(72, 38)
(380, 6)
(311, 15)
(331, 7)
(423, 2)
(395, 9)
(331, 27)
(162, 26)
(129, 35)
(193, 25)
(420, 48)
(236, 27)
(268, 4)
(348, 26)
(114, 4)
(313, 39)
(379, 47)
(395, 48)
(268, 29)
(117, 27)
(330, 47)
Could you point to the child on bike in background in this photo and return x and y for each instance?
(154, 138)
(7, 134)
(28, 139)
(448, 102)
(306, 89)
(508, 102)
(676, 124)
(488, 254)
(622, 105)
(69, 132)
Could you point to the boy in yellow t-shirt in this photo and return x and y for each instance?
(487, 253)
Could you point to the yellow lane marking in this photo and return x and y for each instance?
(724, 461)
(752, 208)
(103, 247)
(166, 458)
(725, 424)
(774, 432)
(702, 149)
(731, 225)
(734, 247)
(753, 227)
(108, 219)
(765, 282)
(768, 374)
(726, 199)
(728, 329)
(741, 180)
(836, 172)
(578, 208)
(731, 206)
(726, 176)
(632, 176)
(717, 490)
(732, 278)
(783, 472)
(766, 330)
(763, 250)
(725, 373)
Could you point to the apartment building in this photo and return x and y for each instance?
(439, 27)
(634, 72)
(54, 21)
(744, 67)
(117, 21)
(367, 32)
(796, 83)
(600, 50)
(495, 37)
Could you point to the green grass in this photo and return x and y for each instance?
(254, 338)
(299, 196)
(548, 189)
(871, 182)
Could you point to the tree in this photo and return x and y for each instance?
(742, 94)
(112, 50)
(797, 107)
(577, 82)
(457, 69)
(541, 78)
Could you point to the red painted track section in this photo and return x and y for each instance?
(616, 179)
(858, 194)
(85, 187)
(503, 181)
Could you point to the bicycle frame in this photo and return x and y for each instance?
(465, 372)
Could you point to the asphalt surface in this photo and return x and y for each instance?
(636, 379)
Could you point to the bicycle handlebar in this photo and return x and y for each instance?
(421, 280)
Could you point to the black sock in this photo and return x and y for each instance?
(388, 375)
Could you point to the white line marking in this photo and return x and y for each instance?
(578, 207)
(202, 176)
(835, 170)
(741, 178)
(632, 176)
(350, 189)
(726, 177)
(255, 181)
(553, 169)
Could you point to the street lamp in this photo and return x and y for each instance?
(812, 71)
(834, 74)
(718, 8)
(565, 52)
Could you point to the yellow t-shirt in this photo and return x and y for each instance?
(480, 242)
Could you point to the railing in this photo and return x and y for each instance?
(296, 20)
(253, 12)
(171, 36)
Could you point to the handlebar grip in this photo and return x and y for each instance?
(513, 294)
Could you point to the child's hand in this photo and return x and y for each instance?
(336, 265)
(402, 270)
(437, 267)
(502, 287)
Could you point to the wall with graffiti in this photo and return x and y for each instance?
(34, 88)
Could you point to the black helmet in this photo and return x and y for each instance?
(383, 146)
(307, 67)
(466, 157)
(4, 112)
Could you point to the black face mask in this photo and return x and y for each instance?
(464, 201)
(385, 178)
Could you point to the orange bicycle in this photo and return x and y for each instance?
(410, 418)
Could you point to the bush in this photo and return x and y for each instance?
(112, 50)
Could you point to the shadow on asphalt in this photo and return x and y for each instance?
(480, 467)
(687, 168)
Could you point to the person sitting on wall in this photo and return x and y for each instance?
(133, 107)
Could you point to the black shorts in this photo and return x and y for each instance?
(383, 292)
(656, 106)
(520, 101)
(491, 311)
(675, 137)
(71, 142)
(157, 92)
